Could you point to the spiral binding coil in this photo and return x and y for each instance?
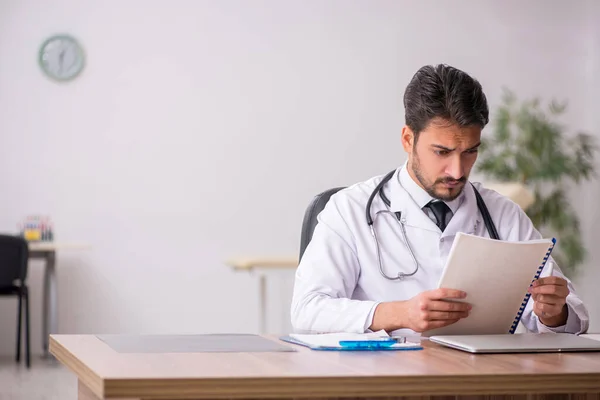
(515, 323)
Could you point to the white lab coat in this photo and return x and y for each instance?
(338, 282)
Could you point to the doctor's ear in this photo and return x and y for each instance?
(408, 138)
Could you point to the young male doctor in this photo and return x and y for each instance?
(344, 285)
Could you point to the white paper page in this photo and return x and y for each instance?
(495, 275)
(333, 339)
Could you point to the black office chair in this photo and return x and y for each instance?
(310, 216)
(14, 256)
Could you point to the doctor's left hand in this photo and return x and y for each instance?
(549, 295)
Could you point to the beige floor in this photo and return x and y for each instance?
(46, 380)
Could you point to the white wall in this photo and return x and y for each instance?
(200, 130)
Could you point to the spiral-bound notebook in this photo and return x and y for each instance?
(495, 274)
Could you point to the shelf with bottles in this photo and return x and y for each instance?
(36, 228)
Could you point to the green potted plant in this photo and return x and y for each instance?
(529, 146)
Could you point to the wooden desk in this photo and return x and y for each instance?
(433, 372)
(47, 252)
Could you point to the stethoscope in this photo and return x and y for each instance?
(487, 219)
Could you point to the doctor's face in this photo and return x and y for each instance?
(441, 157)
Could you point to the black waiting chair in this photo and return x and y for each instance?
(14, 257)
(310, 216)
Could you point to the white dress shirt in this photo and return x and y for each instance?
(422, 198)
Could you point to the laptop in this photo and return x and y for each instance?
(518, 343)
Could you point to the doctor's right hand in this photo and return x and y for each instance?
(428, 310)
(431, 309)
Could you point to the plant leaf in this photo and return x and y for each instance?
(530, 145)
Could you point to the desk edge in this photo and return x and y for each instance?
(84, 374)
(365, 386)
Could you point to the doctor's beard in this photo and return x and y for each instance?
(439, 193)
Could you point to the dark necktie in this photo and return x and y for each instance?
(440, 210)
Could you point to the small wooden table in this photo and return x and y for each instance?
(47, 252)
(435, 372)
(262, 265)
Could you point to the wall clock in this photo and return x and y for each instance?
(61, 57)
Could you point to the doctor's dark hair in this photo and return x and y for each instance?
(445, 92)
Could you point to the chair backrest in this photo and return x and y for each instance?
(310, 216)
(14, 257)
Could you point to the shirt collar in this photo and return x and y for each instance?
(419, 195)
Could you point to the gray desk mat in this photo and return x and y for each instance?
(201, 343)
